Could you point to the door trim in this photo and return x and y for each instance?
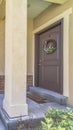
(65, 17)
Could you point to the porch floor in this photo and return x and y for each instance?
(35, 110)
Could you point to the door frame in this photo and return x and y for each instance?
(65, 17)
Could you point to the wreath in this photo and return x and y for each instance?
(50, 46)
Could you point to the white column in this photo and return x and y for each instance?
(15, 58)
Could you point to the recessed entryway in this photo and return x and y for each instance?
(65, 16)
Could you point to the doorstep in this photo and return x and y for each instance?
(48, 94)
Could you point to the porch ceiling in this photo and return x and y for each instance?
(35, 7)
(57, 1)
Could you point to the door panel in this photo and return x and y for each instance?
(50, 66)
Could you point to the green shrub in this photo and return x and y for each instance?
(58, 120)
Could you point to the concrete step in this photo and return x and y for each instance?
(52, 96)
(2, 126)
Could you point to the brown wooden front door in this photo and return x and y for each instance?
(49, 59)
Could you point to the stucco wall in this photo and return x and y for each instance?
(48, 15)
(2, 47)
(29, 47)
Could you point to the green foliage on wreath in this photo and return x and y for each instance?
(50, 50)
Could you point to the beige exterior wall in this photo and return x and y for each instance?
(29, 47)
(50, 14)
(2, 47)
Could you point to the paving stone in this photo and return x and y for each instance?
(1, 126)
(1, 103)
(1, 99)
